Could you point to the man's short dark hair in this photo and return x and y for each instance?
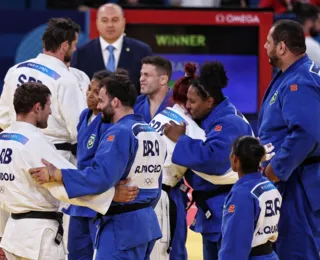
(291, 33)
(162, 65)
(100, 75)
(58, 31)
(29, 94)
(120, 86)
(305, 12)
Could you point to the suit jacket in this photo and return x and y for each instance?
(89, 59)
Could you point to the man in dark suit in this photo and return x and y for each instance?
(112, 49)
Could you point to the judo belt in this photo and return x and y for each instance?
(67, 147)
(311, 160)
(173, 211)
(120, 209)
(264, 249)
(200, 198)
(44, 215)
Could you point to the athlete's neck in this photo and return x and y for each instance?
(156, 99)
(289, 61)
(121, 113)
(27, 119)
(57, 55)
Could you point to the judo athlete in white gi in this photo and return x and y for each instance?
(288, 118)
(130, 148)
(49, 68)
(252, 208)
(222, 124)
(34, 230)
(170, 220)
(156, 96)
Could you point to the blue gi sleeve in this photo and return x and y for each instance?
(238, 226)
(108, 166)
(299, 105)
(210, 157)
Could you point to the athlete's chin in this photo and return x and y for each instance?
(42, 125)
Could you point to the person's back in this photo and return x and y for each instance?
(179, 115)
(251, 210)
(49, 68)
(67, 100)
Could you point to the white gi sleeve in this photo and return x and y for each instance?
(99, 203)
(71, 104)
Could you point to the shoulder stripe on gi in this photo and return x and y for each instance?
(138, 128)
(14, 137)
(173, 115)
(51, 73)
(262, 187)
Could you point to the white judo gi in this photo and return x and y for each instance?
(22, 147)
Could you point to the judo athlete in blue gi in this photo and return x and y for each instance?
(155, 97)
(82, 230)
(252, 208)
(155, 93)
(222, 124)
(288, 119)
(129, 149)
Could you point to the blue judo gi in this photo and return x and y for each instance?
(130, 148)
(289, 120)
(222, 126)
(82, 230)
(250, 219)
(179, 193)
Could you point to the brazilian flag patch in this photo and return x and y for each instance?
(274, 97)
(91, 141)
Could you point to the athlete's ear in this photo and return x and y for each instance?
(64, 46)
(115, 102)
(36, 108)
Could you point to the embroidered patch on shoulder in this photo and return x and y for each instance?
(110, 138)
(218, 128)
(294, 87)
(231, 208)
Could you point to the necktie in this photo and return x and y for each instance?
(111, 64)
